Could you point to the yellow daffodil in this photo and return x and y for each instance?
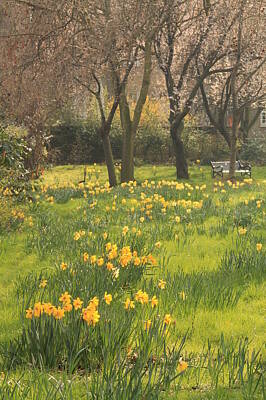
(29, 313)
(154, 301)
(43, 283)
(100, 262)
(63, 266)
(58, 313)
(259, 246)
(129, 304)
(77, 303)
(161, 284)
(108, 298)
(85, 257)
(167, 319)
(182, 366)
(93, 259)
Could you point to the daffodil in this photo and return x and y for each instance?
(58, 313)
(77, 303)
(154, 301)
(108, 298)
(43, 283)
(182, 366)
(129, 304)
(29, 313)
(93, 259)
(85, 257)
(258, 246)
(161, 284)
(63, 266)
(167, 319)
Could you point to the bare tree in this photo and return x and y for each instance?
(243, 84)
(188, 48)
(81, 41)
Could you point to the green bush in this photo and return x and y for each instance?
(14, 177)
(254, 149)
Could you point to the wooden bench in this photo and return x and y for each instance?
(222, 167)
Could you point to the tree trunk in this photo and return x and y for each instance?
(181, 162)
(233, 149)
(129, 125)
(108, 157)
(127, 170)
(232, 167)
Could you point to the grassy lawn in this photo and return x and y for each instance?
(204, 238)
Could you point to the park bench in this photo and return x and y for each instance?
(222, 167)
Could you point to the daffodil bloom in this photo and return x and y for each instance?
(161, 284)
(58, 313)
(90, 315)
(105, 235)
(158, 245)
(182, 366)
(76, 236)
(108, 246)
(142, 297)
(167, 319)
(65, 298)
(93, 259)
(37, 310)
(152, 260)
(48, 308)
(94, 301)
(129, 304)
(108, 298)
(109, 266)
(154, 301)
(85, 257)
(100, 262)
(242, 231)
(43, 283)
(259, 246)
(67, 307)
(77, 303)
(137, 261)
(125, 230)
(177, 219)
(63, 266)
(29, 313)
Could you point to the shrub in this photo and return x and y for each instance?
(254, 149)
(14, 177)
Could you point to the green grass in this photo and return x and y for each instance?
(191, 254)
